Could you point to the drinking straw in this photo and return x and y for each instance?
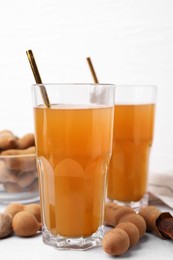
(37, 77)
(92, 70)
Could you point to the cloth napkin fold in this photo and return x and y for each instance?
(160, 186)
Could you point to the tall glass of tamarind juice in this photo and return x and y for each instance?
(132, 141)
(74, 144)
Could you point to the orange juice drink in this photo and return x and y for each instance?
(132, 140)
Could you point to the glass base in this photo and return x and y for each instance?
(67, 243)
(136, 205)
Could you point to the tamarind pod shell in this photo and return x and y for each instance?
(26, 141)
(151, 214)
(114, 212)
(165, 225)
(115, 242)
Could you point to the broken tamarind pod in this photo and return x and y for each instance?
(26, 141)
(165, 227)
(7, 140)
(115, 214)
(159, 223)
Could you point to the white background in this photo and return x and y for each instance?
(129, 41)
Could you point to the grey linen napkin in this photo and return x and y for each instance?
(160, 186)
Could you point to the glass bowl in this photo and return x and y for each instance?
(18, 179)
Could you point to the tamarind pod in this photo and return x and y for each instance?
(6, 175)
(5, 225)
(131, 230)
(6, 131)
(12, 187)
(151, 215)
(137, 220)
(26, 178)
(25, 224)
(26, 141)
(114, 212)
(34, 209)
(15, 187)
(30, 150)
(21, 164)
(33, 187)
(7, 140)
(116, 242)
(13, 208)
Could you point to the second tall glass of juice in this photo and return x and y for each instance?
(132, 140)
(74, 146)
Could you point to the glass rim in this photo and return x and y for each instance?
(74, 84)
(136, 86)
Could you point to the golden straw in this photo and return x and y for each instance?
(92, 70)
(37, 77)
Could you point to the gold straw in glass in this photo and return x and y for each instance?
(37, 77)
(92, 70)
